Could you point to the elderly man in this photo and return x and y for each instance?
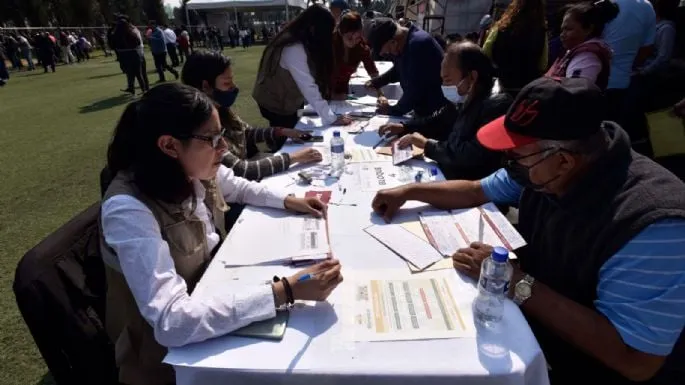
(416, 59)
(602, 279)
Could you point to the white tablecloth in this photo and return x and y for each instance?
(314, 350)
(359, 78)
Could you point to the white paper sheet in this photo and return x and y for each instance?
(426, 306)
(400, 155)
(377, 176)
(379, 120)
(486, 224)
(442, 232)
(289, 236)
(405, 244)
(365, 154)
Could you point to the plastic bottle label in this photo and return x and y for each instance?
(338, 149)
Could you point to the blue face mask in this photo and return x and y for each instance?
(225, 98)
(452, 94)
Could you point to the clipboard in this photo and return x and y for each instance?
(270, 329)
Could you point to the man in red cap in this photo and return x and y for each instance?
(602, 279)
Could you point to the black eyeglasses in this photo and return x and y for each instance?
(214, 140)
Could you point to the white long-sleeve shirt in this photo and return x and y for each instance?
(144, 259)
(169, 36)
(294, 59)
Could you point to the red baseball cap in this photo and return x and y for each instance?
(547, 108)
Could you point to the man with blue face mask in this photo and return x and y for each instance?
(416, 59)
(602, 278)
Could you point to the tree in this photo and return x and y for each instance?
(154, 10)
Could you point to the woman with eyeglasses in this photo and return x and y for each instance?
(162, 222)
(349, 49)
(212, 73)
(296, 66)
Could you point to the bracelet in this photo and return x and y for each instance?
(288, 291)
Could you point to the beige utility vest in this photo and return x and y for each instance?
(138, 354)
(275, 89)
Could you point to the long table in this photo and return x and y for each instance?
(359, 79)
(314, 349)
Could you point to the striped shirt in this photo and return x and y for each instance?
(265, 165)
(641, 288)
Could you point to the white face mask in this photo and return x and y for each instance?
(451, 93)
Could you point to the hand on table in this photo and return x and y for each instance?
(306, 155)
(312, 206)
(415, 139)
(343, 120)
(382, 105)
(470, 259)
(387, 202)
(325, 276)
(391, 129)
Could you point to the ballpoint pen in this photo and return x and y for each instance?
(306, 277)
(384, 139)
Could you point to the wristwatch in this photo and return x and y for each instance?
(523, 289)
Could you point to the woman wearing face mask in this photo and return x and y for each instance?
(211, 73)
(297, 66)
(587, 55)
(349, 49)
(162, 223)
(467, 77)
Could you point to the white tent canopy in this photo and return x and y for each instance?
(238, 4)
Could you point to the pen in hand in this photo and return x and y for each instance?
(383, 139)
(306, 277)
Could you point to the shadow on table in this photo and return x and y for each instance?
(325, 318)
(493, 349)
(105, 104)
(402, 216)
(367, 138)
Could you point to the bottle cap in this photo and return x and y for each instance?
(500, 254)
(434, 171)
(336, 134)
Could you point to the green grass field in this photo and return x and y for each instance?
(54, 130)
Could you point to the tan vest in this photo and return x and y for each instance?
(275, 89)
(138, 354)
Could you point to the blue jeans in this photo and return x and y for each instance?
(26, 53)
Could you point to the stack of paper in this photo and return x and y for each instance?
(405, 244)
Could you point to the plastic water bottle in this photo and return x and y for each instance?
(337, 154)
(493, 285)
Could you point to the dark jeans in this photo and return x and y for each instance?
(171, 49)
(183, 53)
(132, 64)
(161, 65)
(4, 74)
(278, 120)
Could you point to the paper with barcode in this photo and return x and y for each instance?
(400, 155)
(486, 224)
(443, 232)
(289, 237)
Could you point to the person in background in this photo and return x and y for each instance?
(67, 55)
(349, 49)
(467, 81)
(602, 278)
(161, 224)
(453, 38)
(12, 49)
(170, 40)
(183, 44)
(337, 8)
(416, 59)
(517, 44)
(46, 51)
(211, 73)
(483, 28)
(158, 49)
(25, 48)
(473, 37)
(587, 55)
(440, 40)
(297, 66)
(679, 109)
(664, 41)
(127, 43)
(84, 47)
(4, 74)
(631, 38)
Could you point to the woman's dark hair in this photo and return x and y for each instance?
(523, 16)
(204, 66)
(593, 16)
(314, 29)
(349, 22)
(169, 109)
(469, 57)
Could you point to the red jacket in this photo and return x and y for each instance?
(343, 70)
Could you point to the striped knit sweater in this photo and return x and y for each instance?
(243, 143)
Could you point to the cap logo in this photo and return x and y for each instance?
(525, 113)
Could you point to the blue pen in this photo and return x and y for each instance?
(306, 277)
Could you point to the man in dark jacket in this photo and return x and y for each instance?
(416, 58)
(602, 279)
(159, 52)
